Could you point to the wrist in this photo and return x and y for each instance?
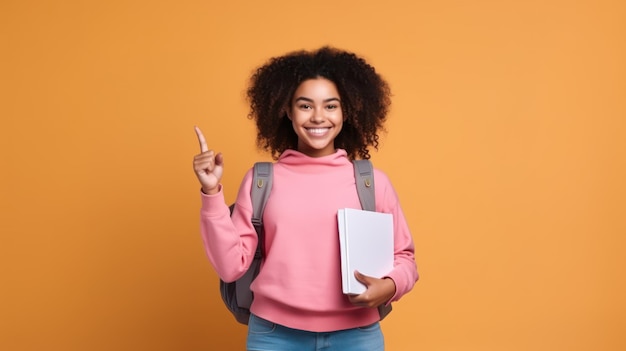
(210, 191)
(391, 286)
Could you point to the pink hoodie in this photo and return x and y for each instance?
(299, 285)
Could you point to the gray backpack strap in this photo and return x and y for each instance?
(364, 177)
(259, 192)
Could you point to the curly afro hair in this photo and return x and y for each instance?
(365, 99)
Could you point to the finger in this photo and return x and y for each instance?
(202, 165)
(204, 159)
(362, 278)
(201, 140)
(358, 300)
(354, 300)
(219, 159)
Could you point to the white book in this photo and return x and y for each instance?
(366, 244)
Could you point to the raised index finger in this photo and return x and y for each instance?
(201, 140)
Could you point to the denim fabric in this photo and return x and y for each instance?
(264, 335)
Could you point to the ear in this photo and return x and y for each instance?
(286, 111)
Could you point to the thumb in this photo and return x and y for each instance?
(367, 281)
(219, 159)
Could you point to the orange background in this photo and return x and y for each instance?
(506, 144)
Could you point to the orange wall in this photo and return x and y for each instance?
(506, 144)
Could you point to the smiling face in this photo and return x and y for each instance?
(316, 116)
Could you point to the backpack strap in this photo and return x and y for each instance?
(364, 177)
(260, 192)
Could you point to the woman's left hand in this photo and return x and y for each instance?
(378, 292)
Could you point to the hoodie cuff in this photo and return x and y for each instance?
(212, 204)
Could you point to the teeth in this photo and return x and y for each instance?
(317, 130)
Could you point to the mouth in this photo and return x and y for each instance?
(317, 131)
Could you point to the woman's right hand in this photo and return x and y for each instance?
(208, 166)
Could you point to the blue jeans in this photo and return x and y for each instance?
(264, 335)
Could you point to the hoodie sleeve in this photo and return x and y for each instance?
(229, 240)
(404, 273)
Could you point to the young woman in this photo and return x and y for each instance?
(315, 112)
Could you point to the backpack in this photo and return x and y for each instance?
(237, 295)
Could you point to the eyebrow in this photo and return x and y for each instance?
(311, 100)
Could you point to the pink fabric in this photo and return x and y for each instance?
(299, 285)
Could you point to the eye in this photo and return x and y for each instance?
(332, 107)
(304, 106)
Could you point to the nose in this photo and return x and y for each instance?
(317, 116)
